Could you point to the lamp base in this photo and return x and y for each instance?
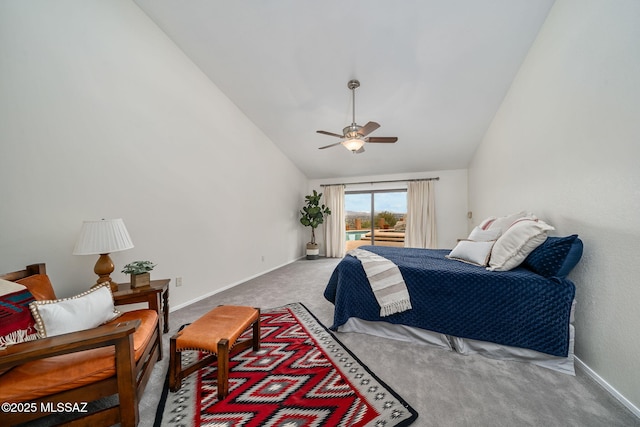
(103, 268)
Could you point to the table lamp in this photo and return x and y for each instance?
(102, 238)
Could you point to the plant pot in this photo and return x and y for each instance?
(140, 280)
(313, 250)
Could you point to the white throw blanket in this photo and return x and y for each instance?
(386, 282)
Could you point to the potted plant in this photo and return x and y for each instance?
(312, 215)
(139, 271)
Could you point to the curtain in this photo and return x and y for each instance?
(334, 224)
(421, 215)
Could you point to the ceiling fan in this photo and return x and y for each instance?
(356, 136)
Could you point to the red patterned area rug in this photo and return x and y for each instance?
(302, 376)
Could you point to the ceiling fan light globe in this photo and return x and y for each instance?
(353, 144)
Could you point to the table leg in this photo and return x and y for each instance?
(165, 309)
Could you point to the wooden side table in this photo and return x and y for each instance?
(156, 296)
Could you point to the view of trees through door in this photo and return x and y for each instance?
(375, 218)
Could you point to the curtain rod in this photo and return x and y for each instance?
(437, 178)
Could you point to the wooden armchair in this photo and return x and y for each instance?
(122, 352)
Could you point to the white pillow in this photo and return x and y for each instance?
(487, 222)
(476, 253)
(517, 242)
(480, 235)
(84, 311)
(503, 223)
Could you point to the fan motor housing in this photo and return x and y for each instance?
(351, 131)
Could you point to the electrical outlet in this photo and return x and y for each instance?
(178, 282)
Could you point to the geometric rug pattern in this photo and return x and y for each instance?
(301, 376)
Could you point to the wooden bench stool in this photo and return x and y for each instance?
(216, 332)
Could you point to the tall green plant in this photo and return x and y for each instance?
(312, 215)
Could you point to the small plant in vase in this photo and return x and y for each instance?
(139, 271)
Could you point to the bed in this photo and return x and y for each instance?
(517, 314)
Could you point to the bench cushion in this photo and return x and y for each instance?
(223, 322)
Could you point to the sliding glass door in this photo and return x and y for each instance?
(375, 218)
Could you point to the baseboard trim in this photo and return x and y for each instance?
(229, 286)
(601, 381)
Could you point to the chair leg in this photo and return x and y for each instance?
(175, 366)
(256, 333)
(223, 368)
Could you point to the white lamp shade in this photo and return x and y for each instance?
(102, 237)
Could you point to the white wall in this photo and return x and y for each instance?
(450, 194)
(565, 145)
(102, 116)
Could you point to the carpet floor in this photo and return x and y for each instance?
(445, 388)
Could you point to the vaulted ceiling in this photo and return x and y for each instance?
(432, 72)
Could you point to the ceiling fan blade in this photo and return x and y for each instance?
(330, 145)
(388, 139)
(324, 132)
(368, 128)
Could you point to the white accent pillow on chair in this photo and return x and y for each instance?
(84, 311)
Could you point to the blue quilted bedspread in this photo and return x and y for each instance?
(516, 308)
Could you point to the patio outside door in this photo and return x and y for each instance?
(375, 218)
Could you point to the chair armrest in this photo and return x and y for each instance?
(101, 336)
